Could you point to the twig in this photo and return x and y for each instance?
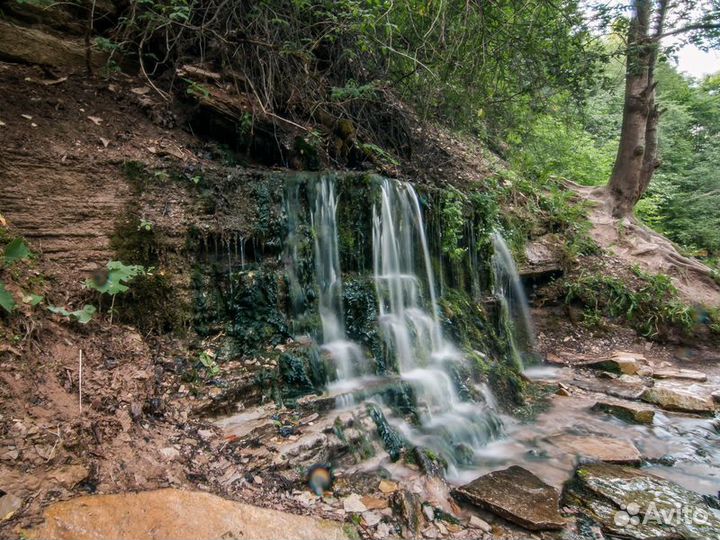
(88, 35)
(80, 381)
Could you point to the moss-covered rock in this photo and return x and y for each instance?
(394, 443)
(301, 371)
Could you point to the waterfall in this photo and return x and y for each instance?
(514, 304)
(407, 309)
(411, 329)
(347, 357)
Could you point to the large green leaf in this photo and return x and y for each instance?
(83, 316)
(32, 299)
(7, 302)
(119, 275)
(16, 250)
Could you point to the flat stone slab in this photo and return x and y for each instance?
(626, 410)
(687, 374)
(517, 495)
(672, 397)
(630, 503)
(611, 387)
(599, 448)
(177, 514)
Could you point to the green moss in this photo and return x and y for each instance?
(394, 443)
(246, 306)
(301, 371)
(134, 244)
(357, 194)
(360, 305)
(153, 305)
(136, 174)
(507, 384)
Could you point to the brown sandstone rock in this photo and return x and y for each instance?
(599, 448)
(172, 513)
(517, 495)
(626, 410)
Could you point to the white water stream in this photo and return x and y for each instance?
(514, 303)
(408, 322)
(348, 358)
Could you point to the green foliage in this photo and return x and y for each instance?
(208, 362)
(651, 305)
(374, 151)
(119, 276)
(145, 225)
(683, 198)
(7, 302)
(106, 45)
(353, 90)
(196, 89)
(714, 320)
(482, 66)
(83, 316)
(558, 145)
(16, 250)
(453, 221)
(32, 299)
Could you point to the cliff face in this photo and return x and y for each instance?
(96, 170)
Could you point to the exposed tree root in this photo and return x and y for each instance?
(632, 241)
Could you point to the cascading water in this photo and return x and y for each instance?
(347, 357)
(408, 322)
(411, 330)
(514, 303)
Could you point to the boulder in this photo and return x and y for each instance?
(599, 448)
(687, 374)
(680, 398)
(543, 257)
(517, 495)
(626, 410)
(172, 513)
(629, 503)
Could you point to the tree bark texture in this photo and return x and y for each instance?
(627, 175)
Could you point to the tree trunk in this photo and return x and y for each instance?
(625, 182)
(650, 159)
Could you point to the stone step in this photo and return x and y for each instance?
(626, 410)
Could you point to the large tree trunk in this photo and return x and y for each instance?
(650, 158)
(625, 182)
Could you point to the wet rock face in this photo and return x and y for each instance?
(673, 373)
(172, 513)
(630, 503)
(627, 411)
(599, 448)
(673, 397)
(517, 495)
